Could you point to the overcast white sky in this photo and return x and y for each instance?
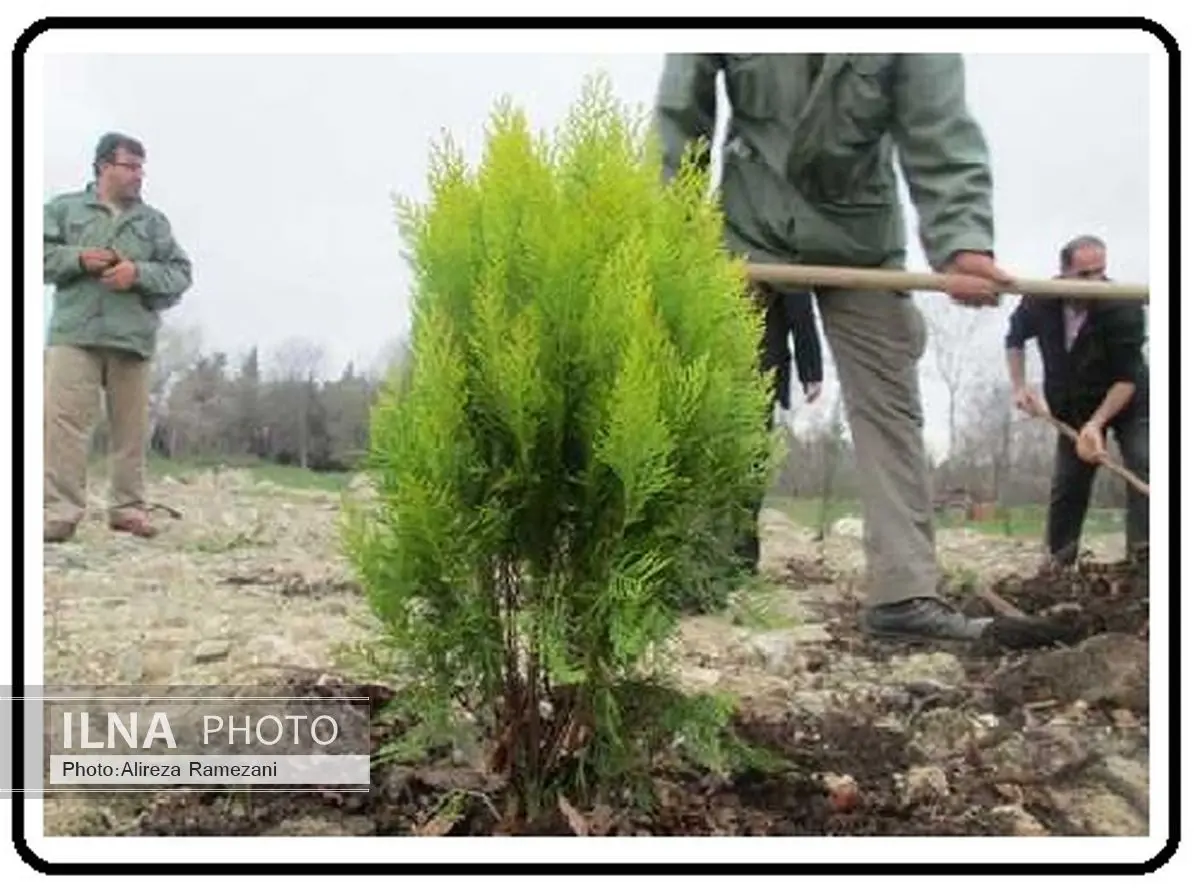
(277, 172)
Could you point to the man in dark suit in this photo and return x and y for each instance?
(1096, 380)
(789, 313)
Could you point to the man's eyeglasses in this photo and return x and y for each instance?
(128, 165)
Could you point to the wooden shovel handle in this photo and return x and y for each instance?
(803, 276)
(1108, 462)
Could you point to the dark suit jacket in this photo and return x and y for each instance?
(802, 322)
(789, 312)
(1107, 349)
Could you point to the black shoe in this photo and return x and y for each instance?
(923, 619)
(1033, 632)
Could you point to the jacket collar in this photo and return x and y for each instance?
(92, 196)
(816, 115)
(819, 88)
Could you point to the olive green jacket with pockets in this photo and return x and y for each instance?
(808, 163)
(86, 312)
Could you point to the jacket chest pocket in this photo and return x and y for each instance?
(864, 101)
(135, 240)
(851, 160)
(87, 230)
(759, 87)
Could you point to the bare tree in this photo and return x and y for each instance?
(200, 410)
(297, 359)
(954, 346)
(177, 352)
(986, 441)
(1001, 477)
(394, 356)
(832, 437)
(297, 364)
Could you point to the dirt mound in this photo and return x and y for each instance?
(846, 775)
(1097, 597)
(927, 766)
(876, 737)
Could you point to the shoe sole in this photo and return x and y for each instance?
(922, 638)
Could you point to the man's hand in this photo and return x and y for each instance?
(1090, 445)
(1029, 402)
(121, 276)
(95, 260)
(976, 278)
(812, 392)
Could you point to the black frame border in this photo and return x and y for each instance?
(20, 185)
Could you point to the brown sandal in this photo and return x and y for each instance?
(138, 525)
(58, 531)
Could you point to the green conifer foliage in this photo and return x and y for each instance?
(571, 447)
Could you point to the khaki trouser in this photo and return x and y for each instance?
(877, 341)
(76, 378)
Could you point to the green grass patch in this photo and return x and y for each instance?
(756, 605)
(288, 476)
(1025, 521)
(301, 478)
(807, 512)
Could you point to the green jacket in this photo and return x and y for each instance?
(808, 171)
(86, 312)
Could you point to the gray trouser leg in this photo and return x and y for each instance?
(876, 341)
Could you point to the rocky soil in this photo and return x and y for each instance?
(247, 586)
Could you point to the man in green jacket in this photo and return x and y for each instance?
(808, 178)
(115, 267)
